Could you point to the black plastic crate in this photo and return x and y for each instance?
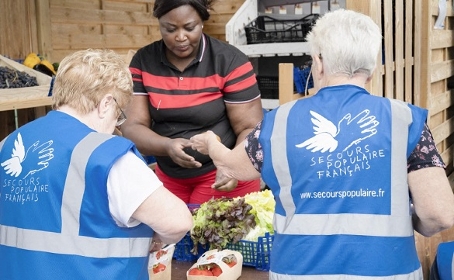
(266, 29)
(269, 87)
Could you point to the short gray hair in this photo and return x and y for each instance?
(347, 41)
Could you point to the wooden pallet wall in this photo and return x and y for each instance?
(438, 83)
(417, 61)
(418, 67)
(436, 79)
(55, 28)
(69, 25)
(18, 37)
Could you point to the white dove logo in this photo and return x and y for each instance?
(354, 130)
(29, 161)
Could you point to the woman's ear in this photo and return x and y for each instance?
(104, 105)
(317, 66)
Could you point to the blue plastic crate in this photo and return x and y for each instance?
(255, 254)
(301, 78)
(183, 250)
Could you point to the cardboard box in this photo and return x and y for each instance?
(216, 257)
(160, 264)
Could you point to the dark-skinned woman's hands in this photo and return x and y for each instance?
(175, 150)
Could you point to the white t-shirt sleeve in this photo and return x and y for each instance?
(129, 183)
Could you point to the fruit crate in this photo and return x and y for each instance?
(302, 78)
(266, 29)
(268, 86)
(27, 97)
(255, 254)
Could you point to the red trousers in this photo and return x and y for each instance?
(197, 190)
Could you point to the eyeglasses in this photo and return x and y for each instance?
(122, 117)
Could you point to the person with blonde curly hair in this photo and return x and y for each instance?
(77, 202)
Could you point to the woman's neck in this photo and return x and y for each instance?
(338, 79)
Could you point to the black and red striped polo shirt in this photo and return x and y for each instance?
(186, 103)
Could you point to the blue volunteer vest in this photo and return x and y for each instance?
(337, 166)
(54, 212)
(445, 260)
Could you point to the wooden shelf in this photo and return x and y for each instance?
(11, 99)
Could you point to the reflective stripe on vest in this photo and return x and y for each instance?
(65, 242)
(291, 226)
(417, 274)
(327, 224)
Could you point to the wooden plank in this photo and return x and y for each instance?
(138, 1)
(447, 156)
(11, 99)
(389, 47)
(359, 6)
(218, 19)
(227, 6)
(437, 119)
(69, 15)
(126, 29)
(285, 82)
(43, 19)
(437, 55)
(441, 102)
(442, 70)
(422, 53)
(215, 29)
(376, 84)
(33, 27)
(82, 41)
(409, 35)
(441, 39)
(60, 54)
(398, 50)
(371, 8)
(16, 38)
(129, 6)
(86, 4)
(443, 130)
(74, 28)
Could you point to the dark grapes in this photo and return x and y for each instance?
(10, 78)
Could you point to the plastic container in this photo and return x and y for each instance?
(266, 29)
(301, 77)
(268, 86)
(255, 254)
